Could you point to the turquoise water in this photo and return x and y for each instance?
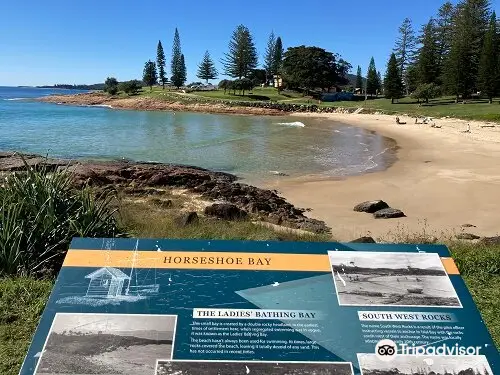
(249, 146)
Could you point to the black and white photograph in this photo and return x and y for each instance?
(166, 367)
(370, 364)
(106, 344)
(386, 278)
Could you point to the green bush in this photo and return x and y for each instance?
(41, 212)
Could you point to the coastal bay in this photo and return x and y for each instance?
(444, 178)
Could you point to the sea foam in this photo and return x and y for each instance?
(295, 123)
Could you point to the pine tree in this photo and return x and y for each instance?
(469, 28)
(359, 79)
(206, 69)
(372, 78)
(393, 86)
(160, 63)
(150, 76)
(489, 77)
(444, 33)
(176, 66)
(380, 83)
(183, 70)
(405, 48)
(269, 55)
(242, 55)
(278, 56)
(428, 59)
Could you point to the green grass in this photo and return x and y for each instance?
(478, 109)
(147, 219)
(442, 107)
(257, 94)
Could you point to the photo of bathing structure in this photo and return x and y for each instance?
(385, 278)
(105, 344)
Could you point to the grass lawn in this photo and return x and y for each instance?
(446, 106)
(478, 109)
(257, 94)
(22, 299)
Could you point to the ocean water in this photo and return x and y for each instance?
(253, 147)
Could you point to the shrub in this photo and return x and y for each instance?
(41, 212)
(131, 87)
(111, 85)
(426, 91)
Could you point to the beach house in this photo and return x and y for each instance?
(106, 282)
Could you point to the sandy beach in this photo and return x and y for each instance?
(443, 179)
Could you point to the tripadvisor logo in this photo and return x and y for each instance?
(386, 350)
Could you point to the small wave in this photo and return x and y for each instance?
(295, 123)
(16, 99)
(101, 105)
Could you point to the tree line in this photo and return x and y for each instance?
(302, 67)
(457, 52)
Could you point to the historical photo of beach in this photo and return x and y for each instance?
(166, 367)
(106, 344)
(370, 364)
(385, 278)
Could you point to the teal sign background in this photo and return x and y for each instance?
(181, 291)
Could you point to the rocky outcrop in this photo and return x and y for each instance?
(388, 213)
(132, 177)
(370, 206)
(195, 103)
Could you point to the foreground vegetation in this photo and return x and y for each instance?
(53, 212)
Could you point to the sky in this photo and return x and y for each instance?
(60, 41)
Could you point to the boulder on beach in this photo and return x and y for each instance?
(371, 206)
(225, 211)
(388, 213)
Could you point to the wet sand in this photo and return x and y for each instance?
(443, 179)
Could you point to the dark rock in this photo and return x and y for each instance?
(365, 239)
(388, 213)
(467, 236)
(468, 226)
(495, 240)
(225, 211)
(256, 207)
(371, 206)
(187, 218)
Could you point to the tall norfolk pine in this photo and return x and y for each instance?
(160, 64)
(241, 58)
(489, 77)
(178, 67)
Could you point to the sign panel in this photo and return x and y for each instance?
(173, 307)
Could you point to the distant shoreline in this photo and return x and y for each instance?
(142, 103)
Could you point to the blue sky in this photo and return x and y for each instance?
(61, 41)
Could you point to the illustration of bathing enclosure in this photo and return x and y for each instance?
(106, 282)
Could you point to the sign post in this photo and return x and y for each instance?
(170, 307)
